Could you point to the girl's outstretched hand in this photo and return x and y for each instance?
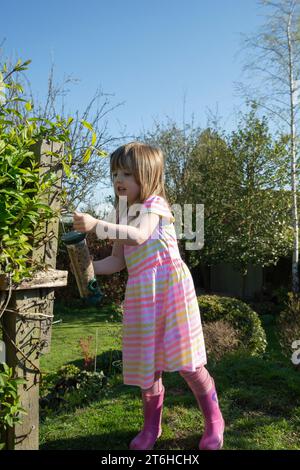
(83, 222)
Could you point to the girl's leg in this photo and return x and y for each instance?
(152, 404)
(157, 385)
(203, 388)
(199, 381)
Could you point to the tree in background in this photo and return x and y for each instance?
(212, 170)
(240, 178)
(242, 187)
(177, 144)
(260, 224)
(272, 58)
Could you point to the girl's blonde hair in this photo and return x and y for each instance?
(146, 163)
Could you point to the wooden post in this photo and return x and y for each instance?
(27, 320)
(45, 253)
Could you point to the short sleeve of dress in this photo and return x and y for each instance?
(157, 205)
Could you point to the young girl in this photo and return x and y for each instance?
(162, 326)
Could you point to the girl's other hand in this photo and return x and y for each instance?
(83, 222)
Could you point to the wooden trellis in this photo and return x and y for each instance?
(27, 319)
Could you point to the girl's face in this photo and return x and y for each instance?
(125, 184)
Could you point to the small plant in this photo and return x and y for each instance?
(88, 357)
(71, 388)
(10, 406)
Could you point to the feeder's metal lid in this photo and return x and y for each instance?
(71, 238)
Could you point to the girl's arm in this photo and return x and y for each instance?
(111, 264)
(124, 234)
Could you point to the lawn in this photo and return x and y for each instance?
(259, 396)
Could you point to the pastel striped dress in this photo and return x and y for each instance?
(161, 325)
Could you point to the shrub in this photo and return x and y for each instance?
(88, 356)
(73, 387)
(25, 189)
(288, 325)
(240, 316)
(220, 339)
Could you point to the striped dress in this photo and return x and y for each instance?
(161, 326)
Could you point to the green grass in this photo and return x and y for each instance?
(78, 324)
(259, 397)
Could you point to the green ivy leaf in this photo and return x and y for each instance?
(28, 106)
(94, 138)
(67, 169)
(101, 153)
(87, 125)
(87, 155)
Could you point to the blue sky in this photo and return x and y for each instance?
(150, 54)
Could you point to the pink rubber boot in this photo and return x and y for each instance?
(212, 438)
(152, 405)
